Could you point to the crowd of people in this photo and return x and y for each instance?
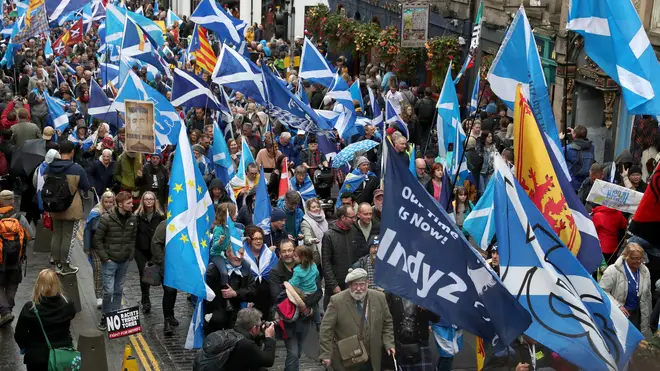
(308, 279)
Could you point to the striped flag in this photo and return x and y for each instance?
(474, 44)
(201, 49)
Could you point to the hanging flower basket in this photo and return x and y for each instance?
(440, 51)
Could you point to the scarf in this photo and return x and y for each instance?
(267, 261)
(319, 226)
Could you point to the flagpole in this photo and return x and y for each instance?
(565, 105)
(467, 137)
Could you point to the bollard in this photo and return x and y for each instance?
(70, 287)
(91, 345)
(42, 238)
(129, 363)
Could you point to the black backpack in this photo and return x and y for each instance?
(217, 348)
(55, 194)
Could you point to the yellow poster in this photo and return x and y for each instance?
(140, 136)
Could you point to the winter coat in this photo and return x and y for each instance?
(115, 237)
(608, 222)
(24, 131)
(145, 230)
(281, 274)
(126, 172)
(246, 290)
(339, 251)
(158, 246)
(146, 181)
(615, 283)
(358, 237)
(78, 182)
(572, 156)
(425, 111)
(248, 356)
(56, 315)
(299, 215)
(101, 177)
(216, 183)
(90, 229)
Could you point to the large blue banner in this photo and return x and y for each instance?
(424, 257)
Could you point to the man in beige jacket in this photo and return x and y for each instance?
(342, 320)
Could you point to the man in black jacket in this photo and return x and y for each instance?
(296, 331)
(247, 354)
(425, 111)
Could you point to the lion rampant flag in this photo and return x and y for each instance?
(537, 176)
(481, 353)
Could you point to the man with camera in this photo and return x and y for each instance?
(248, 355)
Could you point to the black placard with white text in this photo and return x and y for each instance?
(123, 322)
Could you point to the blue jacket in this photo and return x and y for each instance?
(579, 149)
(101, 177)
(288, 150)
(299, 215)
(90, 228)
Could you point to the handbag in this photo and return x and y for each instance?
(47, 221)
(60, 359)
(151, 274)
(352, 350)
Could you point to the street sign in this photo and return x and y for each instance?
(123, 322)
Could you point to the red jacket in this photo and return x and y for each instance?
(6, 123)
(608, 223)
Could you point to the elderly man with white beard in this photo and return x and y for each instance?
(357, 319)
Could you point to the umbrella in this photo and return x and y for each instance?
(349, 152)
(27, 157)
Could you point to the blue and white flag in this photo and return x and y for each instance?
(425, 258)
(57, 8)
(114, 26)
(48, 48)
(139, 11)
(236, 72)
(346, 123)
(189, 216)
(314, 67)
(235, 232)
(306, 189)
(94, 12)
(100, 107)
(224, 166)
(171, 18)
(137, 44)
(240, 180)
(261, 215)
(351, 184)
(450, 130)
(340, 93)
(391, 117)
(86, 143)
(189, 90)
(286, 107)
(229, 30)
(356, 93)
(571, 314)
(518, 62)
(480, 223)
(109, 73)
(378, 118)
(615, 39)
(474, 100)
(167, 121)
(56, 114)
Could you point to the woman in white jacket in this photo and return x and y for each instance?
(628, 281)
(313, 227)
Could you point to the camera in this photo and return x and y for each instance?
(265, 325)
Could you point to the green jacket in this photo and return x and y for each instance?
(115, 237)
(126, 171)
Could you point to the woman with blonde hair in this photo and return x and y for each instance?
(628, 282)
(149, 215)
(105, 205)
(55, 314)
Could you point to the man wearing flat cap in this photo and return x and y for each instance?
(352, 303)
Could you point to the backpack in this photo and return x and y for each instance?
(583, 162)
(4, 168)
(55, 193)
(12, 241)
(216, 350)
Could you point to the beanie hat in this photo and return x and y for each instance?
(277, 215)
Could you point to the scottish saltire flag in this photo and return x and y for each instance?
(33, 23)
(571, 314)
(189, 216)
(378, 118)
(114, 26)
(139, 11)
(57, 8)
(300, 92)
(474, 100)
(195, 336)
(411, 161)
(48, 48)
(239, 180)
(59, 77)
(236, 72)
(340, 93)
(261, 215)
(450, 277)
(345, 123)
(70, 17)
(474, 44)
(616, 40)
(391, 117)
(356, 93)
(56, 114)
(327, 145)
(314, 66)
(86, 143)
(480, 223)
(450, 130)
(544, 184)
(94, 12)
(306, 189)
(189, 90)
(224, 166)
(100, 107)
(167, 121)
(139, 45)
(171, 18)
(213, 17)
(109, 74)
(351, 184)
(518, 62)
(288, 108)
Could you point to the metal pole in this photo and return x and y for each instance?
(565, 105)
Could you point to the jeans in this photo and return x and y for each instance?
(444, 363)
(169, 299)
(221, 264)
(114, 274)
(293, 351)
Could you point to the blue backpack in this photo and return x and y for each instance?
(583, 162)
